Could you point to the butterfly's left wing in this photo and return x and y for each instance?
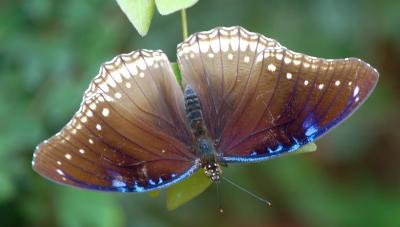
(260, 99)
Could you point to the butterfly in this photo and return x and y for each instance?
(244, 98)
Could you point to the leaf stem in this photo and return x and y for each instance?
(184, 24)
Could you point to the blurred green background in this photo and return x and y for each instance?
(50, 50)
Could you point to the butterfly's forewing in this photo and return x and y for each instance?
(217, 65)
(129, 133)
(292, 99)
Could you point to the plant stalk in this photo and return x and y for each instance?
(184, 24)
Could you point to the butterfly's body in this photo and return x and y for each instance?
(203, 144)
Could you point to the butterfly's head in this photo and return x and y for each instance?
(213, 171)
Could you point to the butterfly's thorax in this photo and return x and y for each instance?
(203, 144)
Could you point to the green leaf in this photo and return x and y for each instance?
(154, 194)
(139, 13)
(181, 193)
(166, 7)
(310, 147)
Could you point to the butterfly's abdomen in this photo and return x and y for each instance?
(194, 114)
(203, 144)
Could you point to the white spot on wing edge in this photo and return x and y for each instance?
(98, 127)
(118, 95)
(356, 91)
(68, 156)
(271, 67)
(105, 112)
(141, 64)
(60, 172)
(92, 106)
(203, 45)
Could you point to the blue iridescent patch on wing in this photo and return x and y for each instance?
(311, 127)
(152, 184)
(119, 184)
(276, 150)
(311, 132)
(271, 153)
(136, 188)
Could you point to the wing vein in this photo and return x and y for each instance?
(132, 122)
(206, 80)
(133, 102)
(128, 139)
(274, 92)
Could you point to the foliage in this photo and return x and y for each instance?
(140, 12)
(166, 7)
(181, 193)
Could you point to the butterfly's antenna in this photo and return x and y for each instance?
(247, 191)
(221, 210)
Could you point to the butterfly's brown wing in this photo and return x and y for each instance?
(217, 64)
(292, 99)
(129, 133)
(280, 101)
